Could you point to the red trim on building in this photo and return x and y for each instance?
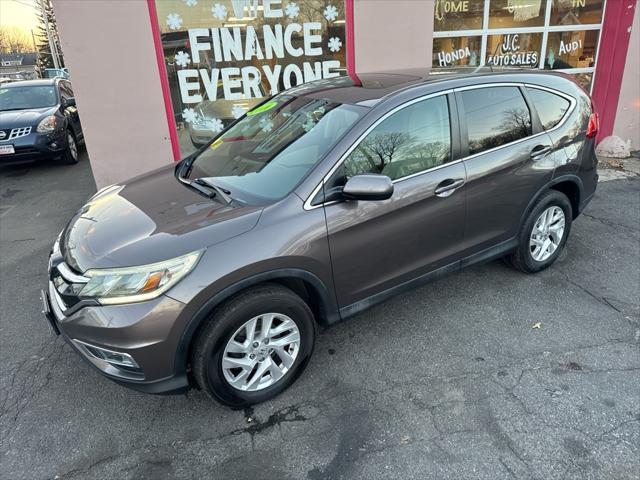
(612, 57)
(164, 80)
(351, 40)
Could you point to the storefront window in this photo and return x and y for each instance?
(456, 51)
(223, 57)
(519, 33)
(514, 49)
(571, 49)
(516, 13)
(458, 15)
(576, 12)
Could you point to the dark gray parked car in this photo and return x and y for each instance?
(319, 203)
(39, 121)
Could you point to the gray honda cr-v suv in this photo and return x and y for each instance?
(318, 203)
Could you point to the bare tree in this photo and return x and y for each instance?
(517, 120)
(379, 150)
(14, 40)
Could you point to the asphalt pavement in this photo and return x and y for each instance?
(450, 381)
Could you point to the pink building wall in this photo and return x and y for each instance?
(111, 57)
(391, 35)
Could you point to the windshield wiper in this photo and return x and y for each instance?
(203, 185)
(222, 192)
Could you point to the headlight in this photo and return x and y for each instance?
(136, 284)
(47, 124)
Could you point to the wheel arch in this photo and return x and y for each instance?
(569, 185)
(302, 282)
(572, 188)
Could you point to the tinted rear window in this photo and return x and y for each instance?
(550, 107)
(495, 116)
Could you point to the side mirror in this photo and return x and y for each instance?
(368, 187)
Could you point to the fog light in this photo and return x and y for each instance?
(53, 145)
(114, 358)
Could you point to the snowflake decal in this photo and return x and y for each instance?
(189, 115)
(219, 11)
(174, 21)
(308, 125)
(237, 111)
(334, 44)
(330, 13)
(215, 124)
(190, 3)
(182, 59)
(292, 10)
(266, 124)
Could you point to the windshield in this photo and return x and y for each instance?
(23, 98)
(264, 156)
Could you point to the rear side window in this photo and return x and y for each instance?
(495, 116)
(410, 141)
(550, 107)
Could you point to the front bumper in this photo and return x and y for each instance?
(35, 146)
(147, 332)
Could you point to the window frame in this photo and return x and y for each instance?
(536, 126)
(454, 130)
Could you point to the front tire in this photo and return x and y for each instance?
(544, 233)
(254, 347)
(71, 155)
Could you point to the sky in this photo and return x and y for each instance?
(18, 13)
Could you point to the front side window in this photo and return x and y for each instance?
(412, 140)
(495, 116)
(550, 107)
(65, 90)
(265, 155)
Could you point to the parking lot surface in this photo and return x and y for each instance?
(487, 374)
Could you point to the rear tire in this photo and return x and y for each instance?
(71, 155)
(544, 233)
(228, 340)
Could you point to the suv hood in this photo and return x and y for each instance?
(150, 219)
(24, 118)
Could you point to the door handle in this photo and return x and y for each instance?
(540, 151)
(448, 186)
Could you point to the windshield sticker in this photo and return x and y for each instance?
(262, 108)
(216, 144)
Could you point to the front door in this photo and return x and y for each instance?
(376, 245)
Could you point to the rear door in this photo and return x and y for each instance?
(376, 245)
(508, 158)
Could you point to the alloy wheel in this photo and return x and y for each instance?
(547, 233)
(261, 352)
(73, 147)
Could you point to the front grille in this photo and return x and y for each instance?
(67, 284)
(18, 132)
